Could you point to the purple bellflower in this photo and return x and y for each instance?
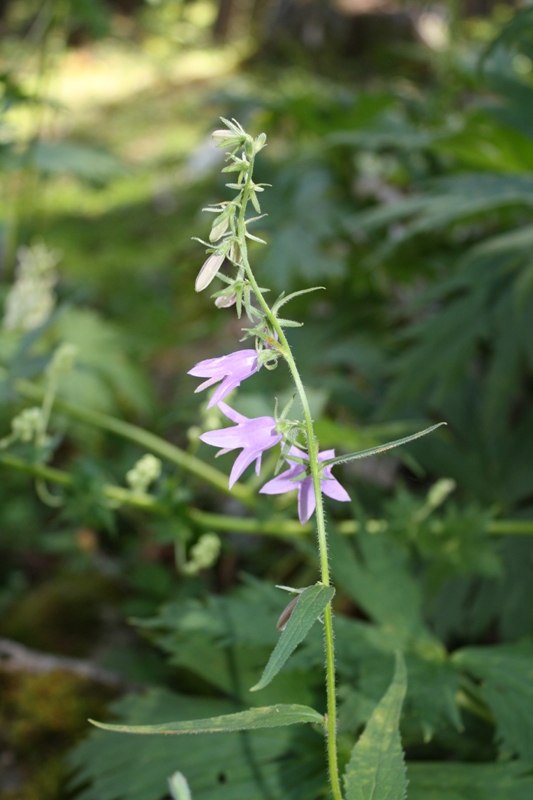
(253, 435)
(306, 496)
(231, 370)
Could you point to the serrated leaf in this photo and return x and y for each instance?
(253, 719)
(506, 675)
(376, 770)
(380, 582)
(310, 605)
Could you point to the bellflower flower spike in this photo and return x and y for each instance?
(253, 435)
(231, 370)
(306, 496)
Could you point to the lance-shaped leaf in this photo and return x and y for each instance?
(310, 605)
(372, 451)
(376, 770)
(269, 717)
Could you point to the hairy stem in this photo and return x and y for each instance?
(312, 449)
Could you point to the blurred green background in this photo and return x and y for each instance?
(400, 153)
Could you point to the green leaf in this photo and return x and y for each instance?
(380, 582)
(506, 675)
(254, 718)
(440, 781)
(380, 448)
(86, 163)
(282, 299)
(376, 770)
(310, 605)
(281, 764)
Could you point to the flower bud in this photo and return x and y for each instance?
(222, 134)
(226, 300)
(260, 142)
(209, 270)
(220, 226)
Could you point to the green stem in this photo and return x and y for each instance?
(283, 528)
(312, 449)
(144, 439)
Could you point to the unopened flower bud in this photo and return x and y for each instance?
(226, 300)
(222, 134)
(235, 253)
(209, 270)
(249, 147)
(260, 142)
(220, 226)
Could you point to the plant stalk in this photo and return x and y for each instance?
(312, 448)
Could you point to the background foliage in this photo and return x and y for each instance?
(400, 155)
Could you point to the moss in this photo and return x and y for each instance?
(41, 716)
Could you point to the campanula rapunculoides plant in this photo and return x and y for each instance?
(306, 470)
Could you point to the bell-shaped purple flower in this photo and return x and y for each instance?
(231, 370)
(253, 435)
(306, 497)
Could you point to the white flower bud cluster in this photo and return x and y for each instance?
(31, 299)
(26, 425)
(203, 554)
(146, 470)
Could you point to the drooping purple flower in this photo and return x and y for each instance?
(253, 435)
(231, 370)
(306, 496)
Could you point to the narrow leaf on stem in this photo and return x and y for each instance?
(372, 451)
(311, 603)
(268, 717)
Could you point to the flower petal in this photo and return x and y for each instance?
(332, 488)
(231, 414)
(306, 500)
(283, 483)
(242, 461)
